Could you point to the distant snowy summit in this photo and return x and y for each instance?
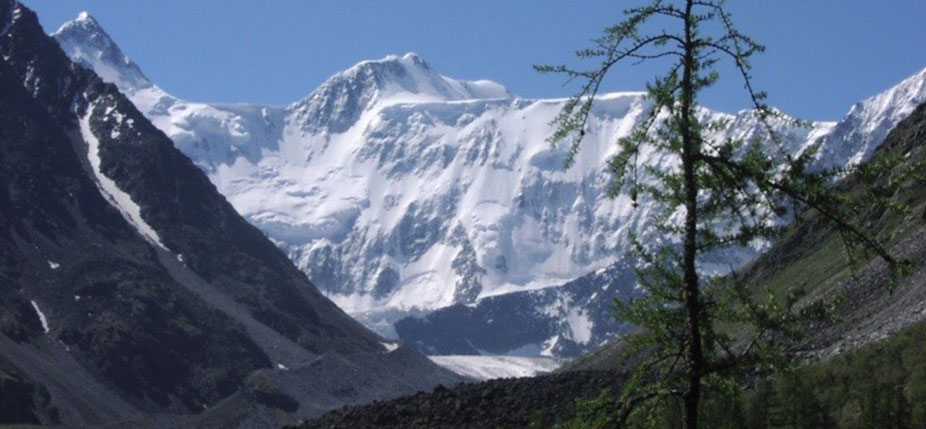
(340, 100)
(864, 128)
(85, 41)
(399, 191)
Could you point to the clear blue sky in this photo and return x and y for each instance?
(823, 55)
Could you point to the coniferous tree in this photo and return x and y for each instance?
(718, 193)
(916, 389)
(760, 406)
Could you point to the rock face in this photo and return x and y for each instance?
(129, 286)
(559, 321)
(399, 191)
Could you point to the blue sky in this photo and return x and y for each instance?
(823, 55)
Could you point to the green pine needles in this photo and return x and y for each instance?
(698, 334)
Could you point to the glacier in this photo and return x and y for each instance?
(400, 191)
(490, 367)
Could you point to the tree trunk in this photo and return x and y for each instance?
(690, 148)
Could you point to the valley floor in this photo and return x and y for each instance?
(880, 385)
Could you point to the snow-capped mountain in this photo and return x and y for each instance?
(575, 318)
(868, 122)
(337, 105)
(400, 191)
(88, 45)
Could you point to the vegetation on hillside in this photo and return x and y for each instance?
(882, 385)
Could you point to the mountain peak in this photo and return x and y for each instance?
(869, 121)
(84, 24)
(86, 42)
(412, 77)
(340, 100)
(86, 17)
(410, 58)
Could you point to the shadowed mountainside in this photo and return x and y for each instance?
(130, 288)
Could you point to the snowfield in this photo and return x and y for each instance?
(489, 367)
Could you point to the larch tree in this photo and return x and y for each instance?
(718, 193)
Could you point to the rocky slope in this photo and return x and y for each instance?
(130, 288)
(811, 256)
(504, 403)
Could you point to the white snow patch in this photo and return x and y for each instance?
(282, 367)
(41, 316)
(580, 326)
(390, 347)
(119, 199)
(549, 346)
(15, 13)
(76, 297)
(489, 367)
(53, 265)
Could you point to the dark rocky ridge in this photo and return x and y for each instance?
(136, 330)
(514, 402)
